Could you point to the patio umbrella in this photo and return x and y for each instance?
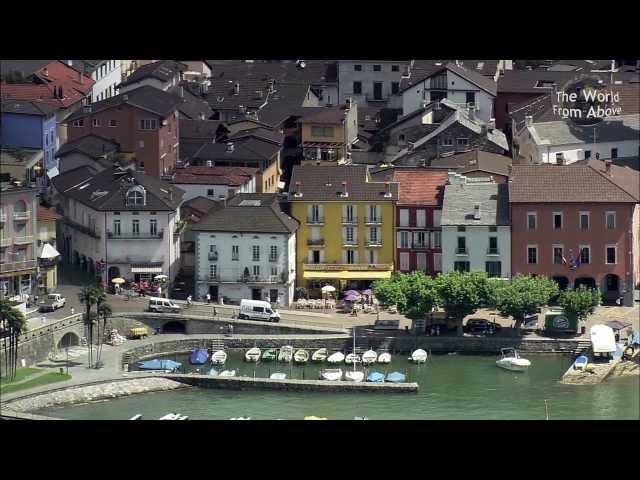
(367, 292)
(118, 280)
(352, 298)
(160, 277)
(328, 288)
(352, 292)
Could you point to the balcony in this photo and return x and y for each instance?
(462, 251)
(135, 236)
(315, 242)
(373, 220)
(337, 267)
(372, 98)
(47, 263)
(350, 243)
(349, 220)
(23, 240)
(22, 215)
(213, 256)
(420, 246)
(373, 242)
(260, 279)
(315, 221)
(493, 251)
(17, 266)
(5, 242)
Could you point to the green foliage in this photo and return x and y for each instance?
(35, 382)
(579, 303)
(419, 294)
(524, 295)
(389, 291)
(461, 293)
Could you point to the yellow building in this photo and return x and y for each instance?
(48, 270)
(346, 235)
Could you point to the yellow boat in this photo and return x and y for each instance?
(313, 417)
(139, 332)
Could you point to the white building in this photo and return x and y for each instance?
(106, 73)
(162, 74)
(215, 183)
(246, 250)
(564, 142)
(458, 84)
(476, 235)
(371, 82)
(126, 219)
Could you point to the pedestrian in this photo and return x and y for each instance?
(208, 298)
(73, 311)
(43, 319)
(437, 330)
(189, 301)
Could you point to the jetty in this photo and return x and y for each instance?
(593, 374)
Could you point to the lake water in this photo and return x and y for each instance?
(452, 387)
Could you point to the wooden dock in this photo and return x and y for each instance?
(593, 374)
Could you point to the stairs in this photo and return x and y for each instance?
(584, 346)
(216, 344)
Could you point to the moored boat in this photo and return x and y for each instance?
(419, 356)
(369, 357)
(227, 373)
(337, 357)
(384, 357)
(199, 356)
(269, 355)
(313, 417)
(510, 360)
(580, 363)
(159, 364)
(301, 356)
(331, 374)
(253, 354)
(285, 354)
(396, 377)
(278, 376)
(352, 358)
(375, 377)
(319, 355)
(240, 418)
(354, 376)
(212, 372)
(219, 357)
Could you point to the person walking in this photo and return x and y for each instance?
(73, 311)
(208, 298)
(189, 301)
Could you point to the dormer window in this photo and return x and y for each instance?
(136, 197)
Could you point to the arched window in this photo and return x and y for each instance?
(135, 196)
(20, 206)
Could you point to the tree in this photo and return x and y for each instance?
(104, 312)
(90, 296)
(579, 303)
(419, 294)
(461, 294)
(524, 295)
(389, 292)
(14, 323)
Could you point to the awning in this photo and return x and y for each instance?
(53, 172)
(48, 252)
(146, 268)
(618, 325)
(348, 275)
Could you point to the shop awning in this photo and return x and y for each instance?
(348, 275)
(53, 172)
(146, 268)
(49, 252)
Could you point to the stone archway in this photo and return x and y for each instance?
(611, 287)
(563, 282)
(174, 327)
(69, 339)
(587, 282)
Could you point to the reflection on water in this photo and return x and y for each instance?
(451, 388)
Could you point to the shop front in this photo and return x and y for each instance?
(342, 280)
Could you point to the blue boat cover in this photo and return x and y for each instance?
(213, 372)
(375, 377)
(396, 377)
(199, 356)
(158, 364)
(582, 359)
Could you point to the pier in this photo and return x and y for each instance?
(593, 374)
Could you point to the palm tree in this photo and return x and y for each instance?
(14, 321)
(91, 296)
(104, 312)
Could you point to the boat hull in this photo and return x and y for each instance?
(337, 357)
(384, 358)
(219, 358)
(511, 366)
(354, 376)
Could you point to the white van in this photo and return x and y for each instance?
(162, 305)
(258, 310)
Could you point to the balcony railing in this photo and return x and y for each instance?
(47, 263)
(420, 245)
(213, 256)
(315, 220)
(493, 251)
(23, 239)
(315, 242)
(462, 251)
(332, 267)
(22, 215)
(135, 236)
(241, 279)
(18, 266)
(374, 242)
(349, 220)
(349, 243)
(373, 220)
(273, 258)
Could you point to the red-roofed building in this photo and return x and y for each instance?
(215, 183)
(418, 212)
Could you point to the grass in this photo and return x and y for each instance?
(21, 374)
(36, 382)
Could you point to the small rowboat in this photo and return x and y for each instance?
(227, 373)
(319, 355)
(396, 377)
(286, 354)
(253, 354)
(219, 357)
(354, 376)
(375, 377)
(580, 363)
(419, 356)
(301, 356)
(337, 357)
(384, 358)
(368, 357)
(352, 358)
(199, 356)
(278, 376)
(269, 355)
(213, 373)
(331, 374)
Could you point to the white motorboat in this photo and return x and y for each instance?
(510, 360)
(368, 357)
(319, 355)
(384, 358)
(331, 374)
(253, 354)
(352, 358)
(174, 416)
(227, 373)
(337, 357)
(136, 417)
(278, 376)
(219, 357)
(301, 356)
(285, 354)
(354, 376)
(419, 356)
(240, 418)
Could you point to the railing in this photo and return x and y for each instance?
(317, 242)
(17, 266)
(260, 279)
(374, 242)
(5, 242)
(462, 251)
(213, 256)
(349, 220)
(47, 263)
(315, 220)
(22, 215)
(372, 220)
(134, 235)
(493, 251)
(241, 279)
(353, 242)
(319, 267)
(419, 245)
(24, 239)
(372, 98)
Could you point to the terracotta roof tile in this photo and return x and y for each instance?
(420, 186)
(44, 214)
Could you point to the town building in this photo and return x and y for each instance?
(477, 164)
(577, 224)
(121, 219)
(346, 235)
(371, 82)
(246, 250)
(23, 165)
(48, 255)
(418, 216)
(107, 75)
(215, 183)
(162, 74)
(144, 122)
(476, 235)
(91, 151)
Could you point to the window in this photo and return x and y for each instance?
(584, 220)
(462, 245)
(493, 229)
(210, 192)
(256, 270)
(235, 252)
(614, 153)
(404, 217)
(421, 239)
(96, 122)
(404, 261)
(349, 234)
(116, 227)
(148, 124)
(322, 131)
(557, 220)
(350, 213)
(461, 266)
(532, 220)
(447, 142)
(256, 253)
(560, 158)
(135, 197)
(135, 227)
(377, 68)
(357, 68)
(395, 88)
(351, 256)
(315, 256)
(141, 144)
(357, 88)
(373, 235)
(373, 213)
(611, 251)
(153, 227)
(436, 239)
(421, 218)
(532, 254)
(273, 253)
(395, 68)
(493, 269)
(462, 142)
(471, 98)
(315, 213)
(611, 220)
(78, 123)
(587, 154)
(462, 228)
(373, 257)
(585, 254)
(493, 245)
(404, 239)
(113, 123)
(558, 254)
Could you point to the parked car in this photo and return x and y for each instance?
(387, 325)
(52, 302)
(481, 325)
(163, 305)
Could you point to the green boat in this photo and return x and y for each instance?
(269, 355)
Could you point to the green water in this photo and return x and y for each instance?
(452, 387)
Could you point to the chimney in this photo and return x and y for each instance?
(347, 102)
(345, 193)
(298, 191)
(272, 86)
(236, 88)
(387, 193)
(528, 121)
(607, 167)
(229, 147)
(476, 211)
(70, 63)
(483, 129)
(492, 124)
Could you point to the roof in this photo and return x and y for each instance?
(531, 81)
(262, 133)
(200, 204)
(475, 160)
(459, 201)
(233, 176)
(47, 214)
(106, 190)
(145, 97)
(19, 155)
(190, 105)
(243, 149)
(163, 70)
(324, 115)
(314, 179)
(320, 72)
(91, 145)
(284, 103)
(564, 184)
(249, 213)
(420, 186)
(624, 172)
(27, 107)
(485, 83)
(25, 67)
(565, 132)
(199, 129)
(88, 66)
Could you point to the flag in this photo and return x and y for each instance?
(564, 261)
(578, 262)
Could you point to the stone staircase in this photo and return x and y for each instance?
(216, 344)
(584, 346)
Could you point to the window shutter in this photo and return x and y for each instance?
(309, 210)
(321, 256)
(437, 262)
(310, 256)
(437, 214)
(398, 241)
(355, 256)
(404, 217)
(344, 256)
(321, 211)
(354, 209)
(421, 218)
